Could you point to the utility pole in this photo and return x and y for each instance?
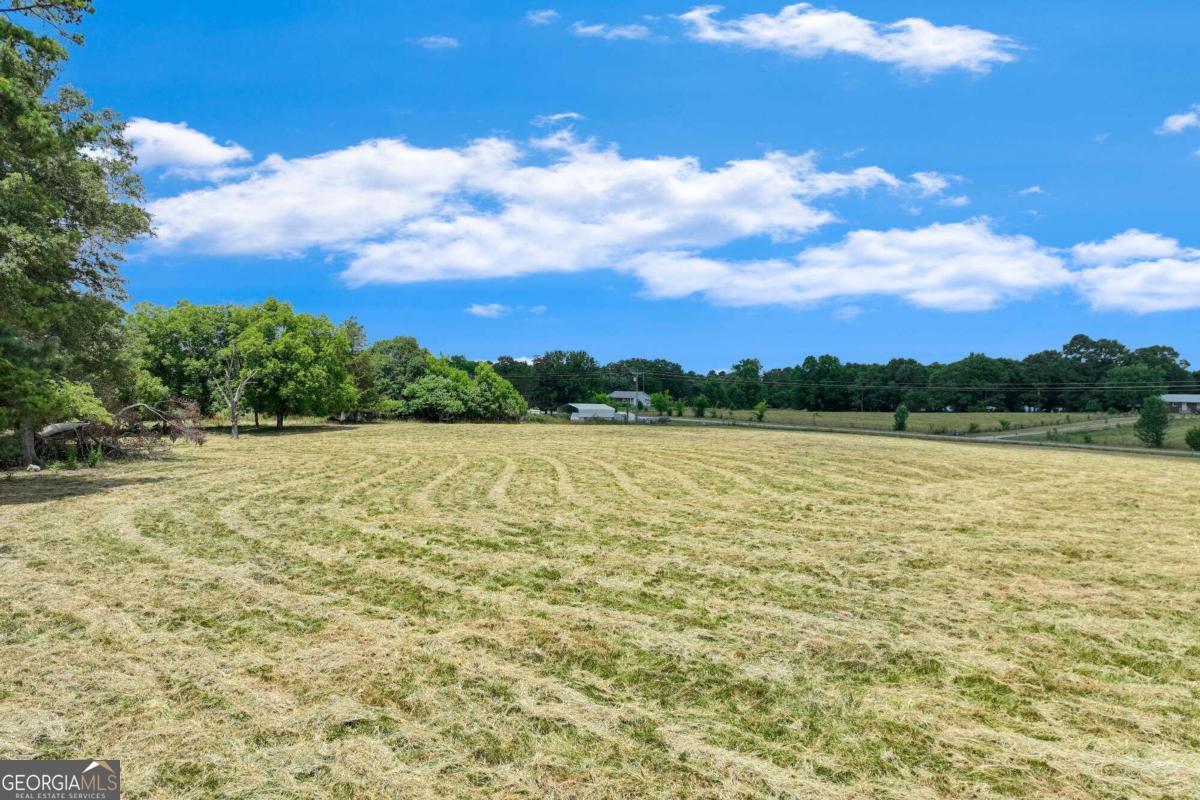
(637, 381)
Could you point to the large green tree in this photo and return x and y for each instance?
(181, 346)
(398, 362)
(565, 376)
(300, 362)
(1126, 386)
(69, 201)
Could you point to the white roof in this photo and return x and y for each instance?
(627, 395)
(1181, 398)
(590, 407)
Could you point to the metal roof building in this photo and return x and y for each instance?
(580, 411)
(1182, 403)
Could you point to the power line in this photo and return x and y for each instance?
(734, 379)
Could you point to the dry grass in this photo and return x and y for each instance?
(427, 611)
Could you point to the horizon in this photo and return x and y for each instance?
(650, 180)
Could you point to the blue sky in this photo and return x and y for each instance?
(749, 181)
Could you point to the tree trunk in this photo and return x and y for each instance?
(256, 417)
(278, 419)
(233, 422)
(28, 444)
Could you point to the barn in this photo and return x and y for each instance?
(1182, 403)
(580, 411)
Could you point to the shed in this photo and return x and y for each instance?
(634, 400)
(580, 411)
(1182, 403)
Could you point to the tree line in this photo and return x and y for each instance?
(1085, 374)
(269, 359)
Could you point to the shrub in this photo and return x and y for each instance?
(437, 398)
(72, 461)
(661, 401)
(760, 410)
(1151, 426)
(700, 405)
(973, 427)
(95, 457)
(1005, 424)
(1192, 438)
(900, 418)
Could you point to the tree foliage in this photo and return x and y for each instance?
(301, 362)
(1152, 422)
(69, 201)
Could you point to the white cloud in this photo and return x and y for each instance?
(175, 145)
(954, 267)
(1178, 123)
(610, 32)
(802, 31)
(1140, 272)
(487, 310)
(398, 213)
(402, 213)
(957, 201)
(847, 313)
(438, 42)
(1164, 284)
(930, 183)
(554, 119)
(1131, 245)
(1028, 190)
(542, 16)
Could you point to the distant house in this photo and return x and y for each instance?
(580, 411)
(634, 400)
(1182, 403)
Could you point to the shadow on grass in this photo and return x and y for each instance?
(57, 486)
(286, 430)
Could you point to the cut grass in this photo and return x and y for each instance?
(407, 610)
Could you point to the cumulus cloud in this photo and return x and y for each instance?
(175, 145)
(953, 267)
(1139, 272)
(1029, 190)
(438, 42)
(542, 16)
(487, 310)
(599, 31)
(803, 31)
(1178, 123)
(397, 213)
(930, 183)
(1131, 245)
(1163, 284)
(401, 213)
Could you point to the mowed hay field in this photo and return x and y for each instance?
(408, 610)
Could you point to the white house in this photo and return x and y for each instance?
(580, 411)
(634, 400)
(1182, 403)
